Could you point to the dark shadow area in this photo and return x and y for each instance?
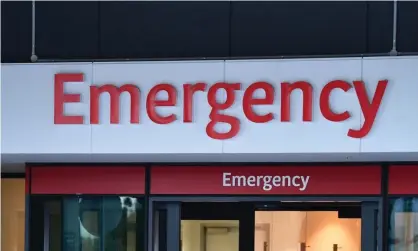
(176, 30)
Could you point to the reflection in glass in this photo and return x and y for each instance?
(209, 235)
(93, 223)
(305, 231)
(403, 226)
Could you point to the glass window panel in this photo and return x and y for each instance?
(403, 224)
(87, 223)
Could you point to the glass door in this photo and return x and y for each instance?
(280, 230)
(196, 226)
(264, 226)
(317, 226)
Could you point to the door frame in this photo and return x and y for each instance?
(205, 234)
(371, 226)
(370, 205)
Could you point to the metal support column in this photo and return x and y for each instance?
(164, 226)
(173, 226)
(369, 227)
(394, 51)
(33, 56)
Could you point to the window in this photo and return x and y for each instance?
(403, 224)
(87, 223)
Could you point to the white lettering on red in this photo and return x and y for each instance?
(266, 182)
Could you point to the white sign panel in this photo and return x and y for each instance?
(349, 105)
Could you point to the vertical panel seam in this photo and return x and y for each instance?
(385, 206)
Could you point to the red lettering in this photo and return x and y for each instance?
(286, 91)
(216, 117)
(324, 101)
(152, 103)
(60, 98)
(114, 93)
(248, 101)
(368, 108)
(188, 91)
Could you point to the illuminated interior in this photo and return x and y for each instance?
(209, 235)
(276, 231)
(306, 231)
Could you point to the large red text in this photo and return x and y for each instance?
(369, 103)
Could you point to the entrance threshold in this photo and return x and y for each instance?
(264, 224)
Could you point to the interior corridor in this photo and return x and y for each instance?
(277, 231)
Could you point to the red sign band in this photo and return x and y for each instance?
(120, 180)
(403, 179)
(286, 180)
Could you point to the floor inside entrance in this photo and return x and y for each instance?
(277, 231)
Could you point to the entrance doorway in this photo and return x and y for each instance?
(214, 226)
(268, 226)
(212, 235)
(309, 226)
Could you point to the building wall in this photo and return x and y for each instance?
(12, 214)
